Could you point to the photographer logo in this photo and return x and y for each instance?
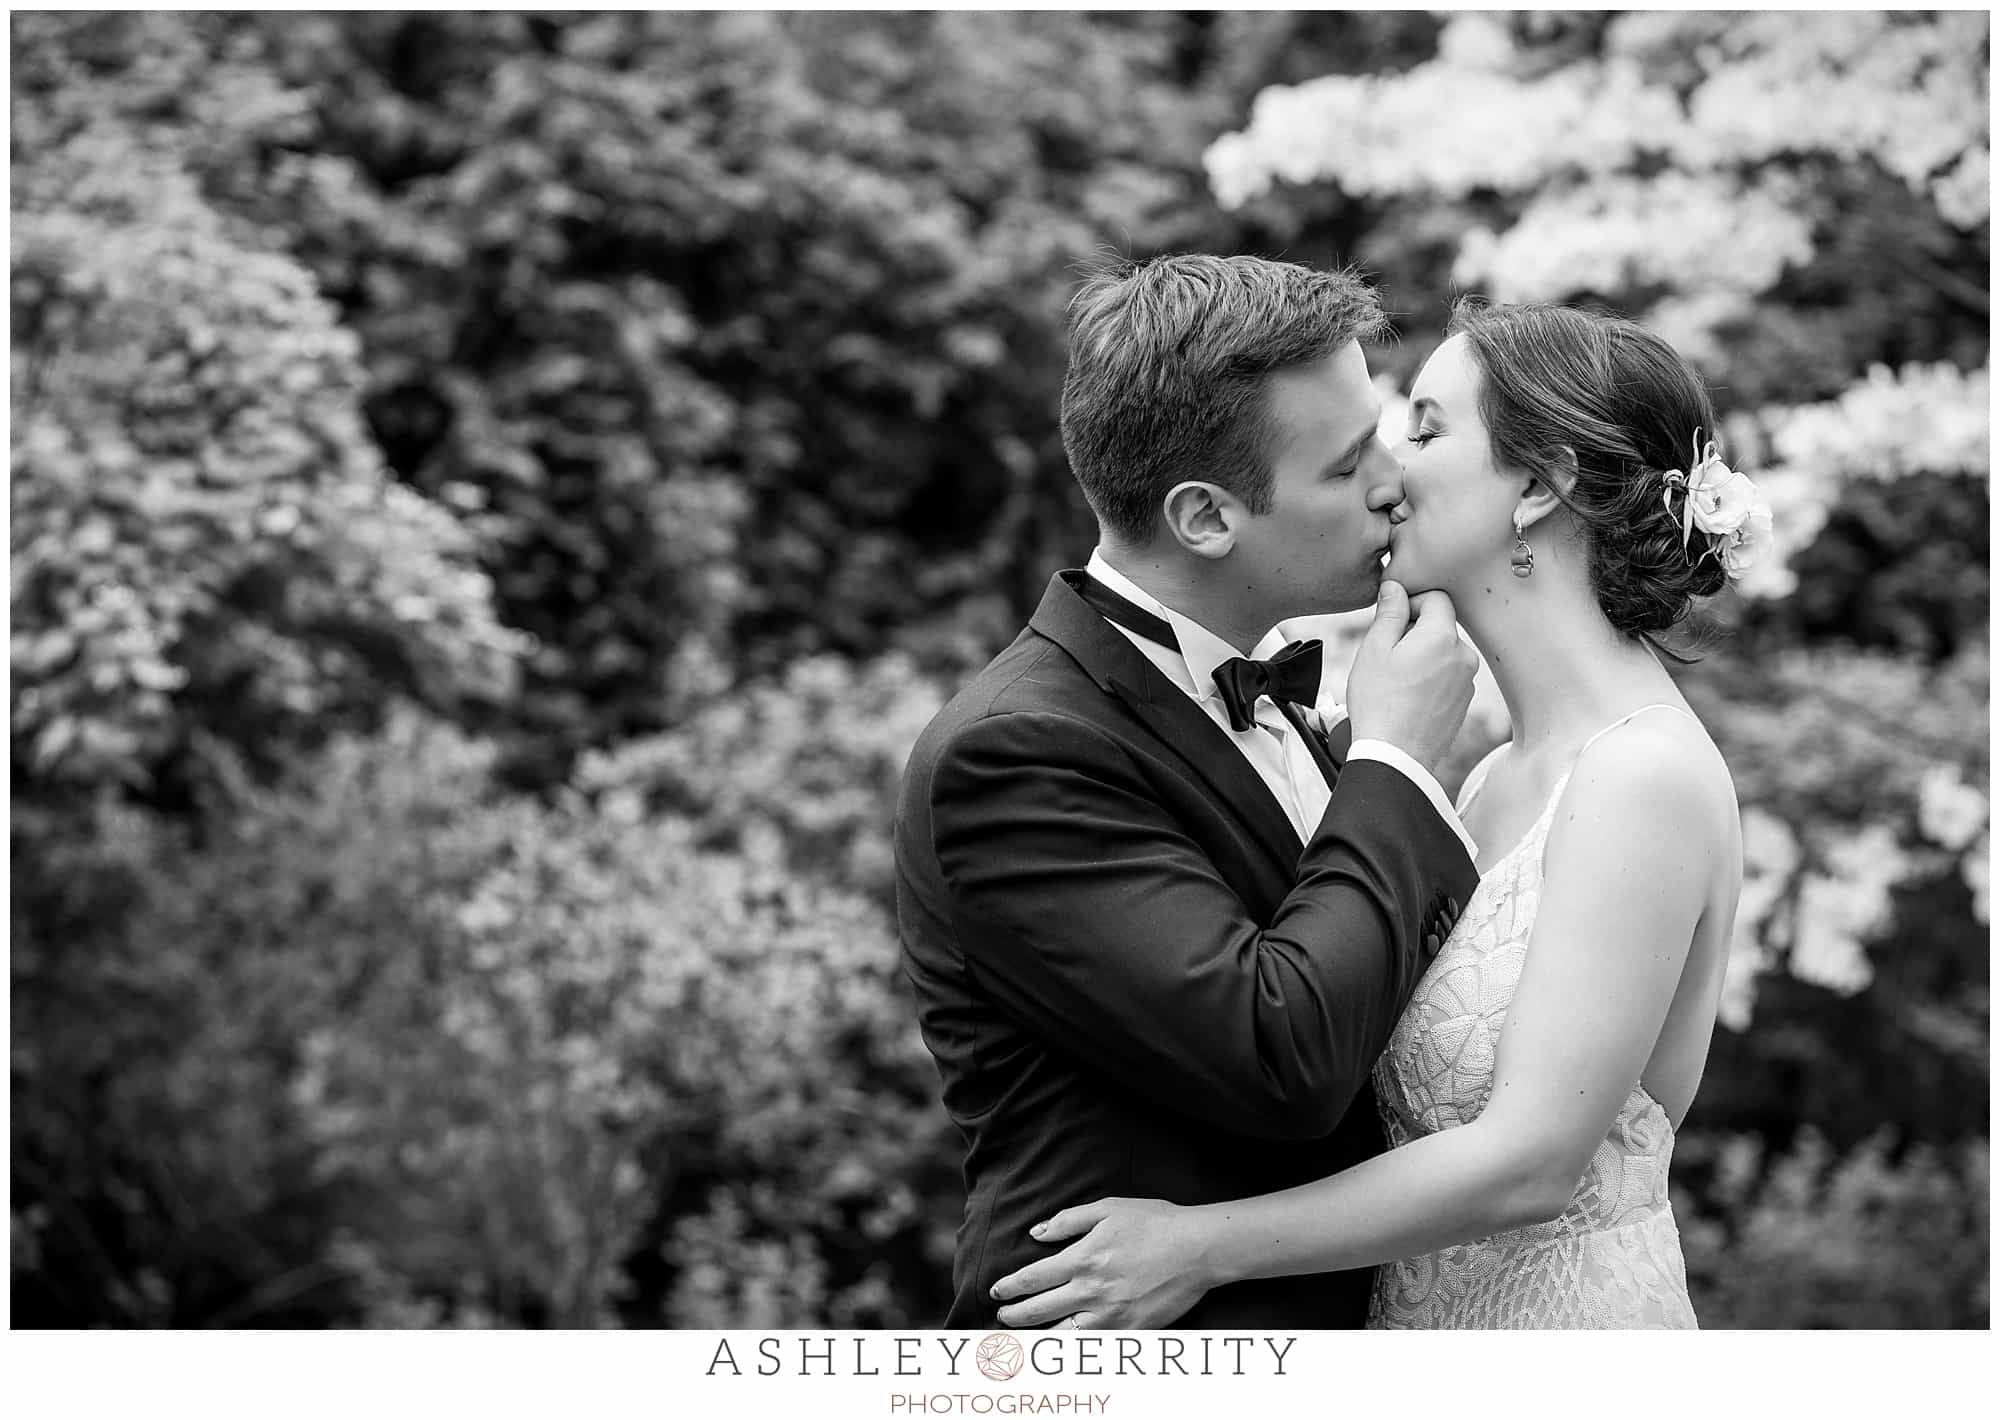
(999, 1357)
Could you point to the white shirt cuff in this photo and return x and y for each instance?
(1385, 753)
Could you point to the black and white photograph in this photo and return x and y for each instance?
(994, 671)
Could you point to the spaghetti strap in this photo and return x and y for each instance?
(1476, 780)
(1660, 705)
(1577, 758)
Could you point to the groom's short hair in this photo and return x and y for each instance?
(1169, 362)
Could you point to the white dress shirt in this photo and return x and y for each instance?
(1273, 746)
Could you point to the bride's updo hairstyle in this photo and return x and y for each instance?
(1624, 401)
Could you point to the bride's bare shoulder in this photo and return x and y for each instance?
(1654, 777)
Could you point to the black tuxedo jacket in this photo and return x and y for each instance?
(1133, 980)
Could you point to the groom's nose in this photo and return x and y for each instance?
(1384, 475)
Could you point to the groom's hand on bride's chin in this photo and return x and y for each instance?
(1412, 679)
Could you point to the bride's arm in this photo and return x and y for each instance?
(1628, 863)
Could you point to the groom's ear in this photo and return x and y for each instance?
(1203, 517)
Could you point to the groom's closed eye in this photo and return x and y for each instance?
(1348, 460)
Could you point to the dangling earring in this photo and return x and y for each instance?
(1523, 560)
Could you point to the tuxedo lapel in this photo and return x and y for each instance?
(1204, 748)
(1168, 715)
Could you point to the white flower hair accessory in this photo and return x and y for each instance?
(1724, 504)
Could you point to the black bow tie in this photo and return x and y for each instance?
(1292, 673)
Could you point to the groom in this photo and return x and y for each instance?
(1159, 924)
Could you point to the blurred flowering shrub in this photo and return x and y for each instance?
(1870, 1238)
(440, 1054)
(798, 773)
(1666, 131)
(1917, 419)
(207, 555)
(1894, 424)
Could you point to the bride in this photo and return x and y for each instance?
(1558, 487)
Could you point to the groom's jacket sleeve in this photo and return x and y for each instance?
(1090, 914)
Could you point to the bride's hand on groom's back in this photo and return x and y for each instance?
(1412, 678)
(1135, 1263)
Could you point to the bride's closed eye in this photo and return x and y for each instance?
(1424, 436)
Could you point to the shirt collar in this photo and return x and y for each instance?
(1201, 649)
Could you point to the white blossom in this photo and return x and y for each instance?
(1950, 812)
(1976, 867)
(1690, 231)
(1476, 40)
(1907, 92)
(1689, 320)
(1965, 194)
(1841, 907)
(1441, 127)
(1852, 85)
(1770, 858)
(1726, 100)
(1799, 500)
(1921, 418)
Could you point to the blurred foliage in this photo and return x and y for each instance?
(392, 1045)
(1857, 1240)
(793, 773)
(496, 495)
(208, 558)
(712, 322)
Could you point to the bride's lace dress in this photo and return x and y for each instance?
(1613, 1258)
